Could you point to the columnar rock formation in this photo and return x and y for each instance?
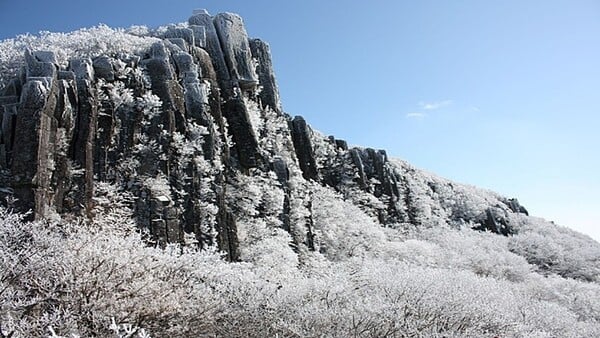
(178, 127)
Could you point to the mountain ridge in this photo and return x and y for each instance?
(198, 82)
(170, 194)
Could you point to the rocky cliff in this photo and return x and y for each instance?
(192, 129)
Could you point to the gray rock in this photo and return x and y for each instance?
(64, 116)
(159, 51)
(129, 60)
(9, 118)
(103, 68)
(269, 93)
(186, 34)
(301, 135)
(245, 142)
(82, 145)
(341, 144)
(13, 88)
(3, 159)
(199, 35)
(163, 218)
(35, 93)
(279, 166)
(179, 43)
(212, 45)
(35, 68)
(83, 69)
(33, 148)
(185, 64)
(46, 56)
(363, 180)
(166, 87)
(515, 206)
(197, 104)
(281, 170)
(202, 59)
(7, 100)
(227, 238)
(496, 221)
(234, 41)
(190, 77)
(66, 75)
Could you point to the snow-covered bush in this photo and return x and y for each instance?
(76, 279)
(485, 254)
(335, 219)
(556, 249)
(86, 42)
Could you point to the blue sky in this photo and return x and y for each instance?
(500, 94)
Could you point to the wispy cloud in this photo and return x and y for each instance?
(434, 105)
(415, 115)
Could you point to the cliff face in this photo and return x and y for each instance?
(192, 127)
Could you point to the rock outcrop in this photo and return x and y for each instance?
(177, 126)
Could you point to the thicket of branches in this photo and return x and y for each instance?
(72, 279)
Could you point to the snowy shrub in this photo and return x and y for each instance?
(335, 219)
(86, 42)
(75, 279)
(555, 249)
(485, 254)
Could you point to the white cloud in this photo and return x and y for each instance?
(415, 115)
(434, 105)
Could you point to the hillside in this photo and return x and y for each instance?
(153, 185)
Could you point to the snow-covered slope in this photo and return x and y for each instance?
(115, 139)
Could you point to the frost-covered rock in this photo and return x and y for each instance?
(269, 93)
(191, 124)
(236, 48)
(206, 36)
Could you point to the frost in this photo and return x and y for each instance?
(86, 42)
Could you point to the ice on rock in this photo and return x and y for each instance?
(82, 68)
(206, 36)
(236, 48)
(46, 56)
(199, 35)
